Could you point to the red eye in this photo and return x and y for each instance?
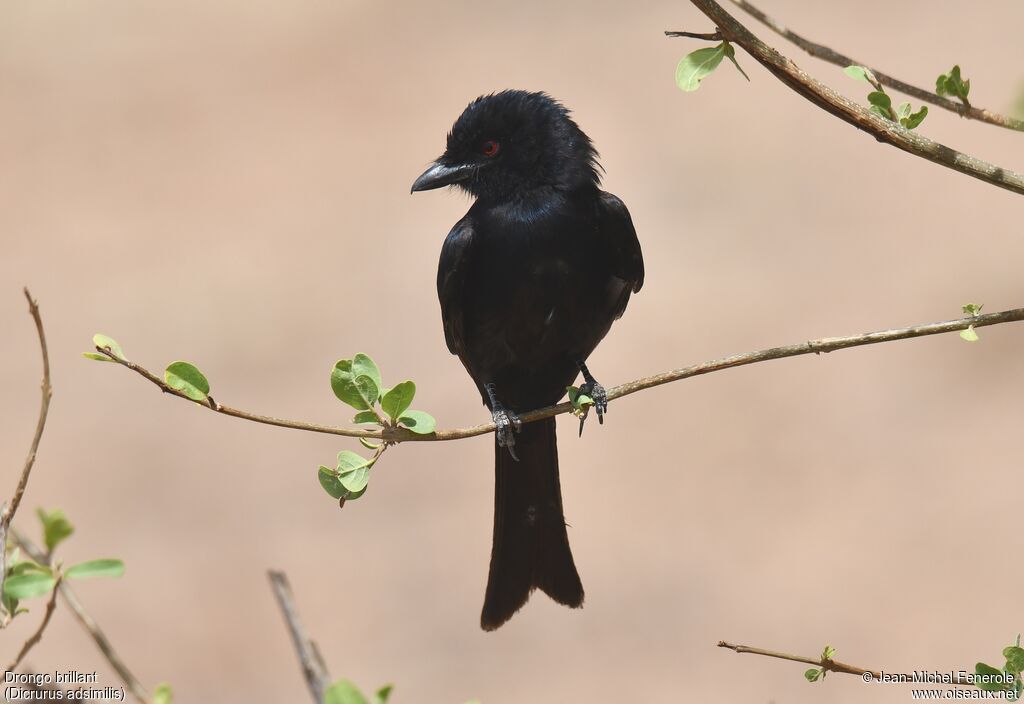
(490, 148)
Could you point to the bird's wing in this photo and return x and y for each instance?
(456, 259)
(620, 242)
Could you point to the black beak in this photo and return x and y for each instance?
(439, 175)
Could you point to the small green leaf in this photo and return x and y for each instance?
(880, 99)
(730, 54)
(983, 669)
(29, 585)
(1014, 659)
(969, 334)
(366, 417)
(973, 308)
(368, 444)
(343, 384)
(398, 399)
(163, 694)
(95, 568)
(881, 112)
(860, 73)
(828, 653)
(952, 85)
(915, 119)
(186, 378)
(903, 111)
(343, 692)
(367, 389)
(109, 344)
(813, 675)
(580, 401)
(383, 694)
(418, 422)
(329, 481)
(26, 566)
(97, 356)
(363, 365)
(698, 65)
(56, 527)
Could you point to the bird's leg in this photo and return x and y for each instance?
(594, 390)
(507, 421)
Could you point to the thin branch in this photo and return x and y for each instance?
(834, 57)
(706, 36)
(827, 344)
(9, 509)
(38, 635)
(830, 665)
(845, 109)
(88, 623)
(317, 677)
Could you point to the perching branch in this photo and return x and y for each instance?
(394, 434)
(88, 623)
(9, 509)
(38, 635)
(845, 109)
(313, 667)
(826, 664)
(834, 57)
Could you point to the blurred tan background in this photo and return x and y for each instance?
(228, 183)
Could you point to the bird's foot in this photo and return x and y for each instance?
(508, 424)
(592, 388)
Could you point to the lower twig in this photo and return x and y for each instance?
(313, 668)
(38, 635)
(88, 623)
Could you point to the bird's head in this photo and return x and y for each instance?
(511, 145)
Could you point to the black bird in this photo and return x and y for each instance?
(530, 281)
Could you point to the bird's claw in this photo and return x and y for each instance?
(508, 424)
(597, 392)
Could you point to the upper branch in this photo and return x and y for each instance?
(824, 53)
(827, 344)
(845, 109)
(9, 509)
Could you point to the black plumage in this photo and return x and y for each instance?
(529, 282)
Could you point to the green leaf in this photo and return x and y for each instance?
(969, 334)
(26, 566)
(973, 308)
(915, 119)
(95, 568)
(903, 111)
(813, 675)
(952, 85)
(353, 471)
(186, 378)
(828, 653)
(56, 527)
(344, 692)
(98, 357)
(365, 442)
(418, 422)
(329, 481)
(343, 384)
(1014, 659)
(366, 417)
(580, 401)
(383, 694)
(881, 112)
(860, 73)
(367, 389)
(109, 344)
(698, 65)
(730, 54)
(363, 365)
(880, 99)
(398, 399)
(163, 694)
(983, 669)
(31, 584)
